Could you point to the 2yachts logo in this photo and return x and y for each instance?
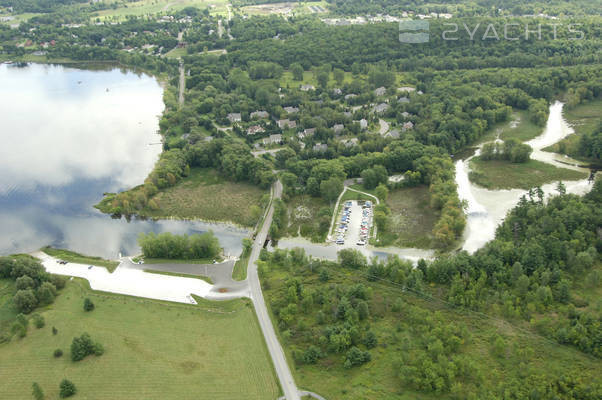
(419, 31)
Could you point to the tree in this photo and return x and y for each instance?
(38, 321)
(88, 304)
(499, 347)
(24, 282)
(297, 71)
(311, 355)
(331, 188)
(25, 301)
(83, 346)
(339, 75)
(58, 353)
(382, 192)
(37, 392)
(323, 77)
(67, 389)
(356, 357)
(46, 293)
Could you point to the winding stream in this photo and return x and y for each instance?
(486, 208)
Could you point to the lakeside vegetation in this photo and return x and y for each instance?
(72, 256)
(203, 278)
(495, 174)
(144, 355)
(586, 143)
(207, 196)
(179, 247)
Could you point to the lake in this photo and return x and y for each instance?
(68, 136)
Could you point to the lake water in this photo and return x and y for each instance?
(69, 135)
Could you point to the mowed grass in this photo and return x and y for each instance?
(520, 127)
(506, 175)
(412, 219)
(80, 258)
(206, 195)
(153, 350)
(152, 7)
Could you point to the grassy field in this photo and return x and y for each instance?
(152, 7)
(204, 278)
(154, 350)
(506, 175)
(178, 52)
(527, 352)
(80, 258)
(412, 219)
(520, 127)
(584, 119)
(206, 195)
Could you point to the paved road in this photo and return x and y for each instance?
(282, 370)
(182, 83)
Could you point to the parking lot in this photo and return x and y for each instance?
(354, 223)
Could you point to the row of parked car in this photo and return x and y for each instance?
(366, 223)
(364, 227)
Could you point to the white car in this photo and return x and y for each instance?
(361, 243)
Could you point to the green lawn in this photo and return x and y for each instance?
(412, 219)
(152, 7)
(178, 52)
(80, 258)
(207, 196)
(520, 127)
(154, 350)
(506, 175)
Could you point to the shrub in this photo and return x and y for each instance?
(58, 353)
(38, 321)
(54, 330)
(37, 392)
(18, 329)
(83, 346)
(88, 305)
(356, 357)
(67, 389)
(25, 301)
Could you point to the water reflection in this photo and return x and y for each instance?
(69, 135)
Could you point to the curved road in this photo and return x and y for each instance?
(282, 370)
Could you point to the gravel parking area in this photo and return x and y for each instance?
(354, 224)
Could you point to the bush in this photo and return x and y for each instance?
(18, 329)
(88, 305)
(67, 389)
(311, 355)
(356, 357)
(37, 392)
(38, 321)
(25, 301)
(54, 330)
(83, 346)
(58, 353)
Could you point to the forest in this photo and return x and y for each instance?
(340, 315)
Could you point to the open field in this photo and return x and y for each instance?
(412, 219)
(286, 8)
(206, 195)
(584, 119)
(178, 52)
(527, 353)
(154, 350)
(80, 258)
(496, 174)
(151, 7)
(306, 216)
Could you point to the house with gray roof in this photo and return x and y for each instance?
(234, 117)
(286, 124)
(381, 91)
(259, 114)
(407, 126)
(291, 110)
(338, 128)
(306, 133)
(380, 108)
(272, 139)
(307, 87)
(320, 147)
(393, 134)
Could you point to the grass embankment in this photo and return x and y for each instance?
(74, 257)
(205, 195)
(412, 219)
(239, 273)
(154, 350)
(203, 278)
(584, 119)
(496, 174)
(526, 352)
